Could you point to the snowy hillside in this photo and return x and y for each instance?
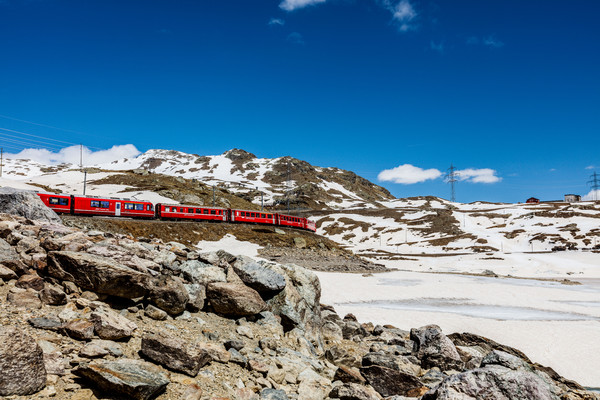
(436, 227)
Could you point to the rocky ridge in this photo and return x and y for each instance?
(92, 315)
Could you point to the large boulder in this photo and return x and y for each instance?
(175, 353)
(21, 363)
(195, 271)
(234, 299)
(298, 304)
(353, 391)
(132, 379)
(265, 281)
(435, 349)
(26, 204)
(168, 293)
(99, 274)
(492, 382)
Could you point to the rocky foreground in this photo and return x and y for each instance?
(93, 315)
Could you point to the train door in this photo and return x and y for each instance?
(118, 209)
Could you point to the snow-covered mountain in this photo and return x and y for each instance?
(348, 209)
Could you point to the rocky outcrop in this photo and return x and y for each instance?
(224, 326)
(22, 369)
(25, 204)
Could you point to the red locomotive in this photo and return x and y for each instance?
(82, 205)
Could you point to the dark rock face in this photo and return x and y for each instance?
(81, 329)
(168, 294)
(234, 299)
(22, 370)
(389, 382)
(434, 348)
(470, 339)
(130, 378)
(175, 353)
(99, 274)
(492, 382)
(264, 280)
(26, 204)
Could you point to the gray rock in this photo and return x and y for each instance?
(24, 298)
(133, 379)
(435, 349)
(168, 294)
(238, 358)
(99, 274)
(5, 273)
(498, 357)
(197, 295)
(110, 325)
(21, 363)
(492, 382)
(353, 391)
(195, 271)
(48, 323)
(273, 394)
(175, 353)
(298, 304)
(26, 204)
(53, 295)
(80, 328)
(389, 382)
(264, 280)
(234, 299)
(155, 313)
(100, 348)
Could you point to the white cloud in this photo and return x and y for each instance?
(590, 167)
(295, 38)
(407, 174)
(276, 21)
(403, 13)
(491, 41)
(592, 195)
(291, 5)
(482, 175)
(71, 155)
(439, 47)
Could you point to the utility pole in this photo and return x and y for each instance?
(289, 186)
(451, 178)
(1, 160)
(213, 195)
(81, 155)
(262, 202)
(84, 180)
(594, 183)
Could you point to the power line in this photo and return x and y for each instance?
(594, 183)
(451, 178)
(39, 137)
(28, 142)
(38, 124)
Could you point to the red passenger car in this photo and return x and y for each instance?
(173, 211)
(310, 225)
(258, 217)
(113, 207)
(289, 220)
(60, 203)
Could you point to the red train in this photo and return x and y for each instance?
(82, 205)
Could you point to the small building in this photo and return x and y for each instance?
(533, 200)
(572, 198)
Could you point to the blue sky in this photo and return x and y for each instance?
(509, 90)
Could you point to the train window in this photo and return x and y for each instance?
(129, 206)
(212, 212)
(269, 216)
(198, 211)
(104, 204)
(59, 201)
(263, 216)
(243, 213)
(148, 207)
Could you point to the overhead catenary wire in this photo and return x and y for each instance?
(28, 142)
(42, 137)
